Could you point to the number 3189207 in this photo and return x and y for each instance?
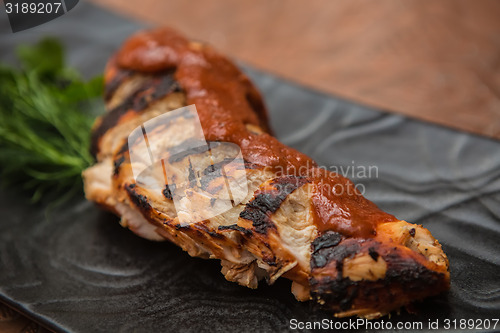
(33, 8)
(470, 324)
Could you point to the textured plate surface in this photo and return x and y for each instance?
(75, 269)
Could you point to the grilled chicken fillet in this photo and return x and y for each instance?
(296, 220)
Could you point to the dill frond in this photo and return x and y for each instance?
(46, 113)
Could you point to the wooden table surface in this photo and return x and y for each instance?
(434, 60)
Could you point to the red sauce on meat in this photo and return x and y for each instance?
(221, 94)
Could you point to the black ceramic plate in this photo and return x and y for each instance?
(76, 269)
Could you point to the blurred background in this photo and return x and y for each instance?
(434, 60)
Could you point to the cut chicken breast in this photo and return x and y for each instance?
(226, 189)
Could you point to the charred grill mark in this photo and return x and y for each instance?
(212, 172)
(179, 227)
(269, 259)
(410, 273)
(133, 138)
(123, 148)
(235, 227)
(259, 217)
(180, 152)
(205, 229)
(159, 86)
(328, 239)
(200, 229)
(215, 235)
(267, 202)
(216, 168)
(167, 84)
(139, 200)
(117, 164)
(250, 165)
(118, 79)
(168, 222)
(405, 277)
(343, 293)
(139, 135)
(335, 292)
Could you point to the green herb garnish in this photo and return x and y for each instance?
(46, 113)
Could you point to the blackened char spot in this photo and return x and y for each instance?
(214, 234)
(157, 87)
(209, 169)
(373, 253)
(139, 200)
(412, 232)
(260, 220)
(328, 239)
(267, 202)
(182, 227)
(270, 260)
(167, 191)
(335, 254)
(405, 277)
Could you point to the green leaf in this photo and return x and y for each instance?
(46, 57)
(46, 113)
